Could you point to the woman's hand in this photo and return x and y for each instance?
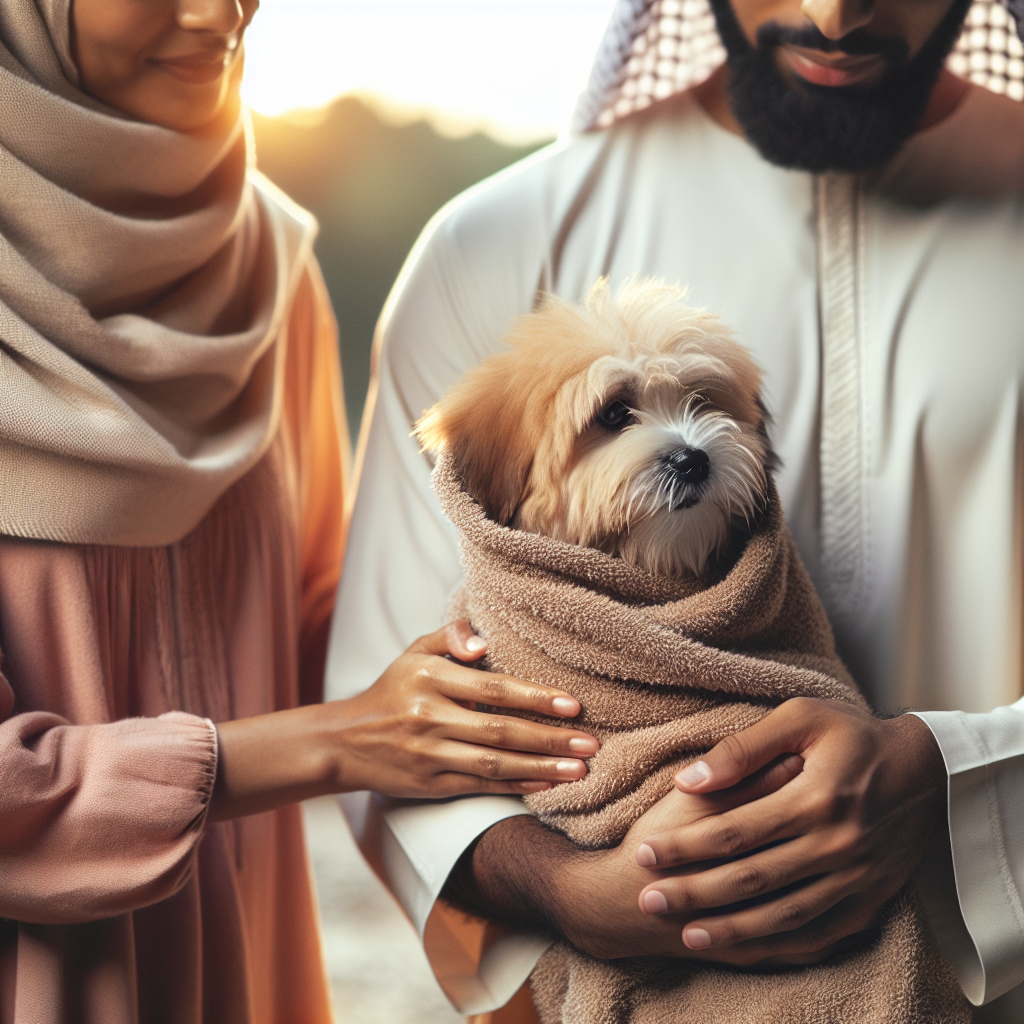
(414, 733)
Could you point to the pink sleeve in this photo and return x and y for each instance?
(96, 820)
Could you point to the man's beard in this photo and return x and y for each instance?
(820, 128)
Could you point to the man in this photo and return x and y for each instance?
(857, 214)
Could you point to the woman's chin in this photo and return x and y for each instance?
(181, 106)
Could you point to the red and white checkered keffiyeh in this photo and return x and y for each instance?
(655, 48)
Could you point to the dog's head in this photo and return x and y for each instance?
(632, 424)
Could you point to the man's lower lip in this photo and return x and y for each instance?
(831, 76)
(198, 73)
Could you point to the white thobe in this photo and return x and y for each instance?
(888, 314)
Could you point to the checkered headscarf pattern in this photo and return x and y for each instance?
(655, 48)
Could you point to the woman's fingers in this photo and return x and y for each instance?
(508, 733)
(459, 784)
(467, 684)
(492, 763)
(457, 639)
(421, 715)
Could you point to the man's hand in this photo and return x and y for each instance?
(528, 876)
(834, 843)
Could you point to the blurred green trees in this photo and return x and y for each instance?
(373, 186)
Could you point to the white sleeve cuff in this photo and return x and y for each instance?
(413, 846)
(984, 756)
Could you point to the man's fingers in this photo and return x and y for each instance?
(794, 810)
(768, 780)
(788, 913)
(781, 732)
(808, 945)
(744, 879)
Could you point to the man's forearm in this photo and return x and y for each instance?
(514, 874)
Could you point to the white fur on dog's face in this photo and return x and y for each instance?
(574, 431)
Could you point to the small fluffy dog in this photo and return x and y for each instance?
(632, 424)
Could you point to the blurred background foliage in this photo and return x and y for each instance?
(373, 185)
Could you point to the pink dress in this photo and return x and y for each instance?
(118, 903)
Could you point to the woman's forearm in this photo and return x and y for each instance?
(411, 734)
(273, 760)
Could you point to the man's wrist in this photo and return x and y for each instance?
(518, 873)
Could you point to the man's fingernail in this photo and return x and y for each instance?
(696, 938)
(645, 856)
(475, 643)
(655, 902)
(566, 706)
(694, 774)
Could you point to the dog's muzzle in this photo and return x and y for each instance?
(684, 470)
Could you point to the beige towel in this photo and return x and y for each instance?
(664, 669)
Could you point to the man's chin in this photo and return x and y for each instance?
(804, 126)
(852, 125)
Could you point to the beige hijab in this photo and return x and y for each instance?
(145, 280)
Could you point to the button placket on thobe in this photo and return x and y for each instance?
(843, 443)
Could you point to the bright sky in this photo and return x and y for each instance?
(514, 67)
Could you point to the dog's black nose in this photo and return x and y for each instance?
(691, 465)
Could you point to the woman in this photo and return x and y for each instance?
(171, 453)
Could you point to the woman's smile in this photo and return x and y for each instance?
(200, 67)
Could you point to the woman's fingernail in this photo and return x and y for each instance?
(568, 768)
(645, 856)
(696, 938)
(566, 706)
(694, 774)
(654, 902)
(475, 643)
(582, 746)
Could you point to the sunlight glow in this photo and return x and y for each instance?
(512, 67)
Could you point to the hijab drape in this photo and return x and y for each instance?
(145, 278)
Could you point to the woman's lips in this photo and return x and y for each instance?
(195, 68)
(830, 70)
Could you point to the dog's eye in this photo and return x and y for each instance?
(616, 416)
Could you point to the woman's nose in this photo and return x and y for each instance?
(220, 16)
(838, 18)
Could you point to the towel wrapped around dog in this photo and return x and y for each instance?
(664, 668)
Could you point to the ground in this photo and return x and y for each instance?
(378, 972)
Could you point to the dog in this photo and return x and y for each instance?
(631, 423)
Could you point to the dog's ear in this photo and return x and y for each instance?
(495, 419)
(487, 424)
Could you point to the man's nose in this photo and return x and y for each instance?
(837, 18)
(220, 16)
